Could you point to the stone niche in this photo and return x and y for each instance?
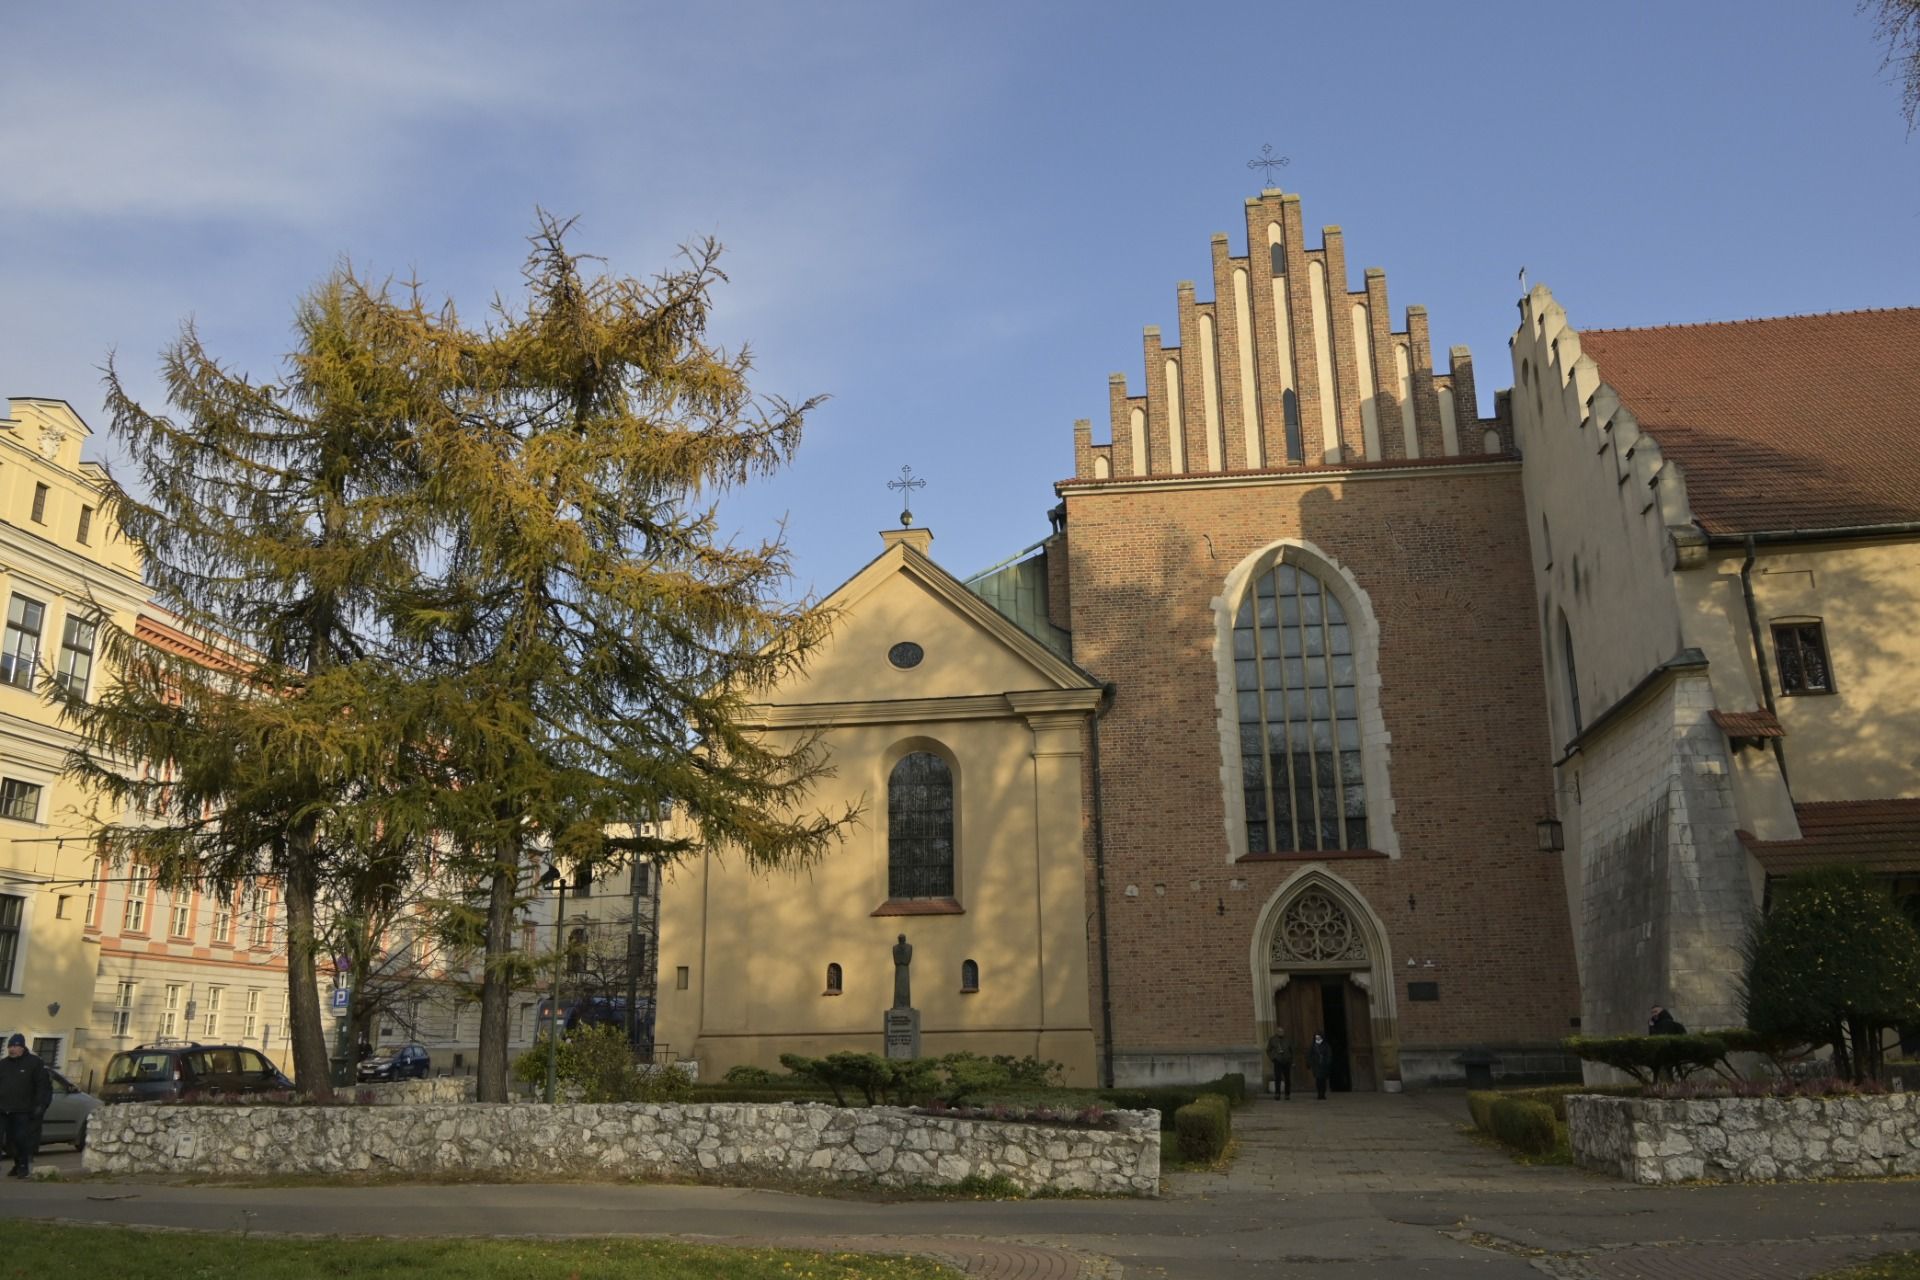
(881, 1146)
(1746, 1139)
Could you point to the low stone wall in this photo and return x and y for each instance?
(394, 1093)
(1745, 1139)
(810, 1142)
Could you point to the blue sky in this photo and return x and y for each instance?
(954, 219)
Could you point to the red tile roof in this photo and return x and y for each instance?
(1749, 724)
(1800, 422)
(1880, 835)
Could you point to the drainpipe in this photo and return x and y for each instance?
(1100, 892)
(1760, 661)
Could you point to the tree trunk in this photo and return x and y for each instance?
(312, 1068)
(496, 984)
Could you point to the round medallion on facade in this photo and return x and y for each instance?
(905, 654)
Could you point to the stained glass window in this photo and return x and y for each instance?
(1298, 699)
(920, 828)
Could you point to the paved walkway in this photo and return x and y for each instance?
(1360, 1186)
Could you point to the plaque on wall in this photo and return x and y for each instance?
(1423, 991)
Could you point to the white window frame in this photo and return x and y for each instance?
(55, 1061)
(223, 922)
(12, 983)
(64, 675)
(170, 1010)
(181, 925)
(252, 1024)
(260, 912)
(210, 1015)
(125, 992)
(133, 912)
(24, 664)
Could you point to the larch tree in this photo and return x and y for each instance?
(277, 518)
(591, 639)
(1897, 23)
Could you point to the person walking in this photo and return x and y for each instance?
(1320, 1062)
(26, 1091)
(1280, 1050)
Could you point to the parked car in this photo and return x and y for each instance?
(166, 1072)
(66, 1118)
(401, 1062)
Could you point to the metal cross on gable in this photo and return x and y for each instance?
(906, 484)
(1269, 161)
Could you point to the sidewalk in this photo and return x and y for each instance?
(1360, 1186)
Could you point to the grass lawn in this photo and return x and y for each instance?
(38, 1250)
(1895, 1266)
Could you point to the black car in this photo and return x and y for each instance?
(167, 1071)
(405, 1062)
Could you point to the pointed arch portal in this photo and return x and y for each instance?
(1319, 960)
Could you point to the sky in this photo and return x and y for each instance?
(953, 220)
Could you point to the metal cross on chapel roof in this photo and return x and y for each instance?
(906, 484)
(1269, 161)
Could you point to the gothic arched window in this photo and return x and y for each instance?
(1298, 694)
(920, 827)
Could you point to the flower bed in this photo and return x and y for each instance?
(1746, 1139)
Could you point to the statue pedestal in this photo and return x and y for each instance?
(901, 1028)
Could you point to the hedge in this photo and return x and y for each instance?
(1648, 1058)
(1167, 1099)
(1202, 1127)
(1524, 1126)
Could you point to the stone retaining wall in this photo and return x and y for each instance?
(1745, 1139)
(809, 1142)
(393, 1093)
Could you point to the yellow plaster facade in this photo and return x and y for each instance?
(61, 561)
(744, 957)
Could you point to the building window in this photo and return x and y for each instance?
(223, 922)
(920, 828)
(253, 1014)
(133, 919)
(259, 915)
(1572, 674)
(577, 951)
(170, 1011)
(682, 978)
(19, 800)
(1299, 705)
(47, 1049)
(76, 656)
(210, 1017)
(833, 980)
(1290, 415)
(123, 1009)
(582, 881)
(39, 504)
(182, 915)
(643, 880)
(969, 976)
(1802, 650)
(22, 651)
(86, 526)
(13, 910)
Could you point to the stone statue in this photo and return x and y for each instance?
(902, 957)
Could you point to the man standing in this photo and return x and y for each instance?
(1320, 1062)
(26, 1091)
(1280, 1050)
(1661, 1022)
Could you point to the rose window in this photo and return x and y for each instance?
(1316, 928)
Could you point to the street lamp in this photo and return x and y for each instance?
(554, 880)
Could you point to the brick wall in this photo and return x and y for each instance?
(1442, 552)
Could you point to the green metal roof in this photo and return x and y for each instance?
(1019, 591)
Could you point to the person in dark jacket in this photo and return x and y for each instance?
(1320, 1062)
(26, 1091)
(1662, 1023)
(1280, 1050)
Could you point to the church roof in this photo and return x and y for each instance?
(1019, 591)
(1798, 423)
(1879, 835)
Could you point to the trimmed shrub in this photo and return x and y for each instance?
(597, 1064)
(1202, 1127)
(752, 1076)
(1555, 1096)
(1480, 1106)
(1524, 1126)
(1650, 1058)
(1232, 1087)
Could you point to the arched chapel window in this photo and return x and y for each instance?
(1298, 693)
(833, 979)
(920, 828)
(969, 976)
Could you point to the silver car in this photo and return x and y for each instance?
(66, 1119)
